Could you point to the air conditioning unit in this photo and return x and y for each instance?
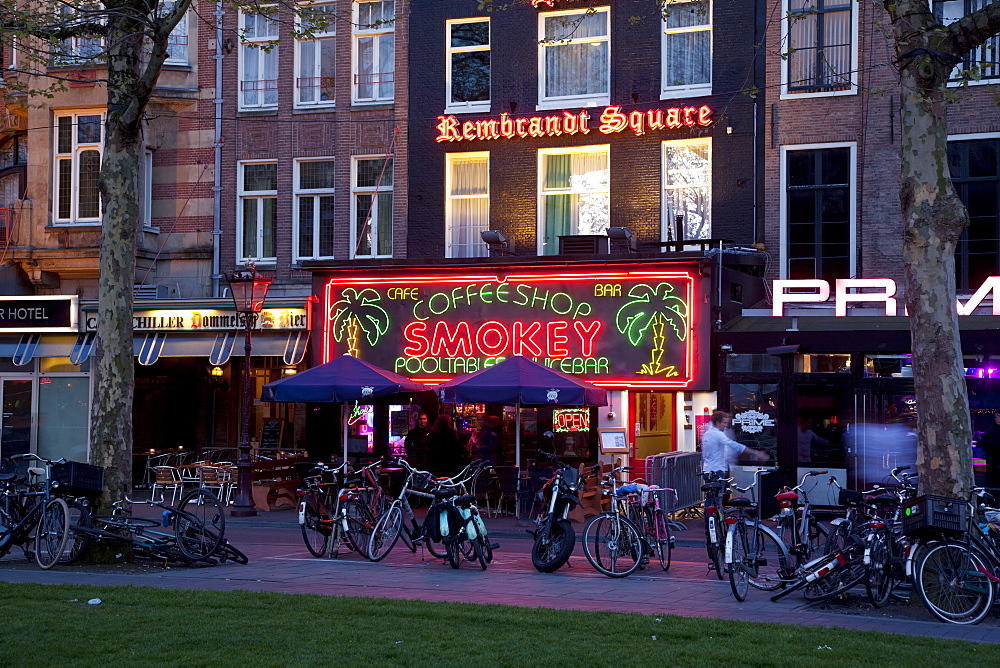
(585, 244)
(150, 291)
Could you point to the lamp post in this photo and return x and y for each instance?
(249, 290)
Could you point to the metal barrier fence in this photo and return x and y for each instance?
(680, 471)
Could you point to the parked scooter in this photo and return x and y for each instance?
(554, 535)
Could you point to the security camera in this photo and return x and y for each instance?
(611, 415)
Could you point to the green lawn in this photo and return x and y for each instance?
(141, 626)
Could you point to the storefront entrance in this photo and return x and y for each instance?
(15, 422)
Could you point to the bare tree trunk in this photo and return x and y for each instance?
(933, 220)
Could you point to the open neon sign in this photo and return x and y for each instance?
(570, 420)
(611, 121)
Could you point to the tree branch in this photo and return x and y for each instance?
(973, 30)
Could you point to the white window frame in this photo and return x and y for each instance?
(666, 219)
(241, 256)
(375, 191)
(315, 193)
(377, 33)
(687, 90)
(177, 42)
(328, 34)
(542, 193)
(480, 106)
(786, 38)
(146, 191)
(74, 154)
(994, 41)
(565, 101)
(261, 86)
(449, 199)
(783, 200)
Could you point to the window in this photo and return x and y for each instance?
(78, 144)
(982, 64)
(258, 195)
(574, 58)
(687, 48)
(818, 209)
(177, 42)
(975, 171)
(258, 61)
(467, 210)
(468, 53)
(146, 189)
(687, 188)
(575, 194)
(819, 47)
(372, 207)
(374, 51)
(80, 48)
(316, 57)
(314, 214)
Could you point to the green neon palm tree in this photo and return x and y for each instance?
(650, 312)
(356, 312)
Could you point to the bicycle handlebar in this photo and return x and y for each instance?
(32, 456)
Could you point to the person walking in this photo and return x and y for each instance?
(718, 451)
(417, 444)
(447, 456)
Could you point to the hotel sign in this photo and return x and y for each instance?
(38, 314)
(615, 328)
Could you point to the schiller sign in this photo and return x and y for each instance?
(624, 328)
(611, 121)
(38, 314)
(883, 291)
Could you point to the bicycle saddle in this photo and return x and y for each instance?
(5, 477)
(885, 500)
(741, 502)
(787, 496)
(711, 487)
(447, 493)
(464, 501)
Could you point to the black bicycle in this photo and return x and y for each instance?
(33, 507)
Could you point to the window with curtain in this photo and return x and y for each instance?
(78, 146)
(975, 171)
(818, 190)
(258, 194)
(574, 57)
(467, 210)
(575, 194)
(372, 207)
(468, 53)
(316, 57)
(687, 48)
(314, 212)
(374, 51)
(982, 64)
(687, 188)
(258, 61)
(819, 49)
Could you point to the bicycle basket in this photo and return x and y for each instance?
(79, 479)
(422, 481)
(934, 515)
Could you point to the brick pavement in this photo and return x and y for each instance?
(280, 563)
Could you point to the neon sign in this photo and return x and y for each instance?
(617, 328)
(570, 419)
(885, 289)
(611, 121)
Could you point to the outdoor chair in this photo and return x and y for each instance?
(164, 478)
(219, 480)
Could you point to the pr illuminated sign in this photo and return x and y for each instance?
(617, 328)
(611, 121)
(883, 291)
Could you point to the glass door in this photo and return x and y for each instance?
(15, 421)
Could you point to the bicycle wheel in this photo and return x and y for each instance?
(839, 579)
(612, 545)
(315, 525)
(951, 582)
(360, 524)
(664, 541)
(771, 561)
(454, 553)
(549, 555)
(715, 543)
(51, 533)
(228, 552)
(477, 548)
(385, 533)
(199, 524)
(78, 541)
(736, 558)
(879, 580)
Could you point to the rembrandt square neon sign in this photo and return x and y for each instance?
(883, 291)
(616, 328)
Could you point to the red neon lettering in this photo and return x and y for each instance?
(487, 130)
(553, 126)
(489, 331)
(587, 336)
(654, 119)
(673, 118)
(613, 120)
(556, 338)
(689, 113)
(637, 121)
(519, 130)
(447, 128)
(524, 339)
(535, 127)
(506, 126)
(454, 344)
(569, 123)
(414, 333)
(705, 115)
(584, 122)
(468, 130)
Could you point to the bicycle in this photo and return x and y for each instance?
(24, 509)
(332, 514)
(798, 529)
(459, 525)
(885, 544)
(611, 543)
(646, 511)
(754, 554)
(715, 521)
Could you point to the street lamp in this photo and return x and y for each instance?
(249, 290)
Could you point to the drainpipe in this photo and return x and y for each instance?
(217, 184)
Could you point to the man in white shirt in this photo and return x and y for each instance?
(718, 451)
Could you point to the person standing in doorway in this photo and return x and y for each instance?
(418, 444)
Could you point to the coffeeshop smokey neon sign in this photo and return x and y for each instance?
(878, 291)
(611, 121)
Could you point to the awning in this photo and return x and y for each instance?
(25, 347)
(150, 347)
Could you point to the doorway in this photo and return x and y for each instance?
(15, 421)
